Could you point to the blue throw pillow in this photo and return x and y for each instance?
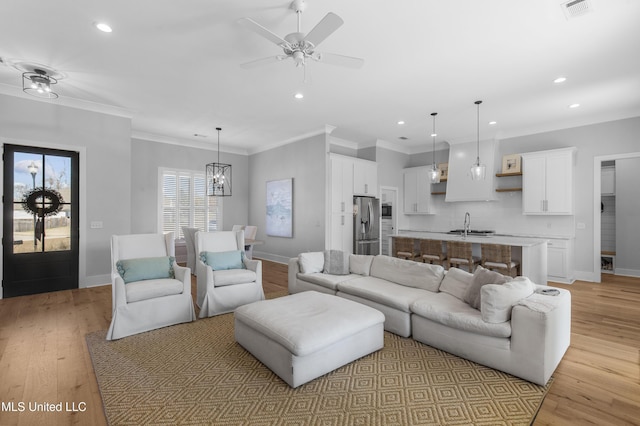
(223, 259)
(146, 268)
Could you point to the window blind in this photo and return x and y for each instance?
(184, 203)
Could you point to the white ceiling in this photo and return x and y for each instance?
(173, 66)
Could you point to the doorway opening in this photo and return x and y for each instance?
(599, 203)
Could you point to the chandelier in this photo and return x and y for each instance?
(218, 176)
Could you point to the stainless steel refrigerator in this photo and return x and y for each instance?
(366, 225)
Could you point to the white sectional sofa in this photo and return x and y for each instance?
(512, 326)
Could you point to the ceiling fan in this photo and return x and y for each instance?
(299, 46)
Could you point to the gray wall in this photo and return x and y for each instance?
(148, 156)
(609, 138)
(613, 137)
(105, 169)
(304, 161)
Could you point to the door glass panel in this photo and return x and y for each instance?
(41, 203)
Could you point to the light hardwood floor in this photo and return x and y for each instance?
(44, 358)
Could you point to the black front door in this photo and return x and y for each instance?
(40, 229)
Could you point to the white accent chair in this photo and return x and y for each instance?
(190, 242)
(147, 304)
(222, 291)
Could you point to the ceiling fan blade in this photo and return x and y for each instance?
(263, 61)
(252, 25)
(324, 29)
(341, 60)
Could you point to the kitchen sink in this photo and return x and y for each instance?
(477, 232)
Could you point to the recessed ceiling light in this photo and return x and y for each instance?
(105, 28)
(400, 122)
(560, 80)
(574, 105)
(493, 123)
(433, 135)
(298, 95)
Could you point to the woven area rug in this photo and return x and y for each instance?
(196, 374)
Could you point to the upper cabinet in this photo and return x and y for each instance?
(547, 182)
(417, 191)
(608, 181)
(365, 178)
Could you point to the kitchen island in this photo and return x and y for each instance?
(530, 252)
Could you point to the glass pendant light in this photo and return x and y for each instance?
(434, 173)
(478, 170)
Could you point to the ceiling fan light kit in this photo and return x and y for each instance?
(38, 83)
(298, 46)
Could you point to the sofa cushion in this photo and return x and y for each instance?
(497, 300)
(150, 289)
(382, 291)
(360, 264)
(326, 280)
(311, 262)
(407, 272)
(453, 312)
(336, 262)
(233, 276)
(455, 282)
(482, 277)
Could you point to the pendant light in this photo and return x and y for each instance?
(478, 170)
(218, 176)
(434, 173)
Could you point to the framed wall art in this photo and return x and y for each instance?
(511, 164)
(444, 171)
(279, 203)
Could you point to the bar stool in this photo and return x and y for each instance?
(460, 253)
(498, 257)
(431, 252)
(405, 248)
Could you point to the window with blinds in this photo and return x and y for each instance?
(184, 202)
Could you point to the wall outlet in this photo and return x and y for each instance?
(97, 224)
(581, 225)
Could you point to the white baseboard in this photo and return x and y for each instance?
(95, 281)
(272, 257)
(627, 272)
(586, 276)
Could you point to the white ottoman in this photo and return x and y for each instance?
(305, 335)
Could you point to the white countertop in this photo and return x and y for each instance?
(490, 239)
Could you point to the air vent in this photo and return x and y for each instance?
(403, 138)
(576, 8)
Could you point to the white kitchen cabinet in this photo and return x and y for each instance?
(341, 222)
(608, 181)
(547, 182)
(365, 178)
(560, 260)
(417, 191)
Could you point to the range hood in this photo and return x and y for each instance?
(462, 155)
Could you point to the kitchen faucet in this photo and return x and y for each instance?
(467, 224)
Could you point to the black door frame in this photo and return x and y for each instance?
(62, 268)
